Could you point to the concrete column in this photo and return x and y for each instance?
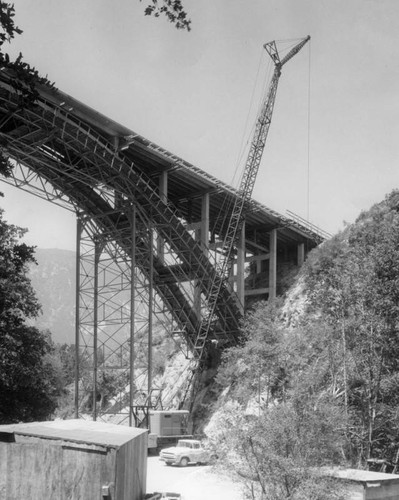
(197, 289)
(273, 265)
(163, 193)
(241, 269)
(203, 236)
(301, 254)
(205, 223)
(163, 185)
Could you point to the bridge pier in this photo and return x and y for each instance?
(301, 254)
(273, 264)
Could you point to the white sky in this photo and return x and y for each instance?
(191, 94)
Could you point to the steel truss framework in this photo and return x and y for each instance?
(139, 261)
(116, 308)
(123, 219)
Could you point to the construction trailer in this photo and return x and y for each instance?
(72, 460)
(166, 427)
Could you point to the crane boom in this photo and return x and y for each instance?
(247, 183)
(257, 145)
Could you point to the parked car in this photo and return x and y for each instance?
(187, 451)
(159, 496)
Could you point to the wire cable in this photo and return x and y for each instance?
(309, 116)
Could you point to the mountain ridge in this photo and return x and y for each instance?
(54, 281)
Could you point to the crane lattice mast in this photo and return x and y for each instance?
(245, 190)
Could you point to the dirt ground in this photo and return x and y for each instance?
(194, 482)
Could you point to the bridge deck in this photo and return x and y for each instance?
(95, 166)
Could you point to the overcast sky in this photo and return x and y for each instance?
(333, 144)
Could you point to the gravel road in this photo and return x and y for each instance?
(194, 482)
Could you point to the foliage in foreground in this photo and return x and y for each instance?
(29, 385)
(279, 452)
(280, 422)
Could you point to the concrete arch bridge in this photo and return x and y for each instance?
(150, 229)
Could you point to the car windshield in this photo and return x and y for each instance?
(184, 444)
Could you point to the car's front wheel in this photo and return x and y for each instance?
(184, 462)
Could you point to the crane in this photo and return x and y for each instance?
(245, 190)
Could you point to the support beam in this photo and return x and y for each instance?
(202, 235)
(257, 291)
(150, 310)
(97, 254)
(301, 254)
(197, 289)
(241, 269)
(273, 265)
(163, 185)
(77, 314)
(205, 223)
(252, 244)
(259, 257)
(132, 316)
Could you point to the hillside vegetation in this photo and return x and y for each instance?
(315, 382)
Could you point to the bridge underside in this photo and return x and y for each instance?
(150, 232)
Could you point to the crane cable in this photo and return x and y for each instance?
(248, 136)
(225, 209)
(308, 166)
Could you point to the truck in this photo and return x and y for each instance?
(166, 427)
(185, 452)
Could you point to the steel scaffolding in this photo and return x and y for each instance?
(140, 261)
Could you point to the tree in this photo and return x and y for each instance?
(354, 282)
(173, 10)
(255, 367)
(28, 385)
(25, 77)
(280, 419)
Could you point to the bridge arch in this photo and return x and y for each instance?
(148, 220)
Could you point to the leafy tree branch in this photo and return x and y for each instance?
(173, 10)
